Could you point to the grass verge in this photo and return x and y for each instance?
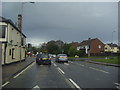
(115, 60)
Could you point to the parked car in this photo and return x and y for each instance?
(43, 59)
(61, 58)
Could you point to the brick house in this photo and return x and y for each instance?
(92, 46)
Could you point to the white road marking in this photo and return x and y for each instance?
(70, 61)
(5, 84)
(99, 70)
(61, 71)
(75, 84)
(81, 65)
(36, 86)
(55, 65)
(52, 61)
(66, 64)
(23, 70)
(117, 83)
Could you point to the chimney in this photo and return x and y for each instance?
(89, 38)
(20, 22)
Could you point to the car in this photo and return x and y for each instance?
(43, 59)
(61, 58)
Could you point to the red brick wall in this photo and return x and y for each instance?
(95, 46)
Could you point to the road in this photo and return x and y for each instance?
(74, 74)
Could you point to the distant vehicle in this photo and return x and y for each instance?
(52, 55)
(61, 58)
(43, 59)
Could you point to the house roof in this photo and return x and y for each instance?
(87, 42)
(112, 45)
(2, 19)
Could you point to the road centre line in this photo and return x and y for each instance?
(117, 83)
(99, 70)
(74, 84)
(5, 84)
(66, 64)
(24, 70)
(70, 61)
(61, 71)
(81, 65)
(55, 65)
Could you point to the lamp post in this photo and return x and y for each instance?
(112, 40)
(20, 28)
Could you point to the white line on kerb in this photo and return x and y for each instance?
(61, 70)
(74, 84)
(23, 70)
(5, 84)
(99, 70)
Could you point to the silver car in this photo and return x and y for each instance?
(61, 58)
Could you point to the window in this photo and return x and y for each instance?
(10, 52)
(99, 46)
(2, 31)
(13, 55)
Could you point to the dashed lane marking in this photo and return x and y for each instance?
(66, 64)
(81, 65)
(5, 84)
(61, 71)
(52, 61)
(70, 61)
(55, 65)
(75, 84)
(23, 70)
(99, 70)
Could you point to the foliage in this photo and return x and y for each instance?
(52, 48)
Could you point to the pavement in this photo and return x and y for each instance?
(89, 61)
(8, 71)
(73, 75)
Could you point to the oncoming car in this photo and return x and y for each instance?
(43, 59)
(61, 58)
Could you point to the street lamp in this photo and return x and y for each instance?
(112, 40)
(21, 25)
(112, 35)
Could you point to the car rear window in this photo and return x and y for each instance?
(62, 55)
(45, 56)
(39, 55)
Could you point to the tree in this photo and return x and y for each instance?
(72, 51)
(65, 48)
(52, 48)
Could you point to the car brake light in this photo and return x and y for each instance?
(58, 56)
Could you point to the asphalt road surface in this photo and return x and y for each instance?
(73, 75)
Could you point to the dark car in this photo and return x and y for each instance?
(61, 58)
(43, 59)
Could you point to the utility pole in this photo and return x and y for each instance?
(20, 26)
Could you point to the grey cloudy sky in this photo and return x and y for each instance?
(71, 21)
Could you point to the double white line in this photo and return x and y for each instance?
(5, 84)
(61, 71)
(75, 84)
